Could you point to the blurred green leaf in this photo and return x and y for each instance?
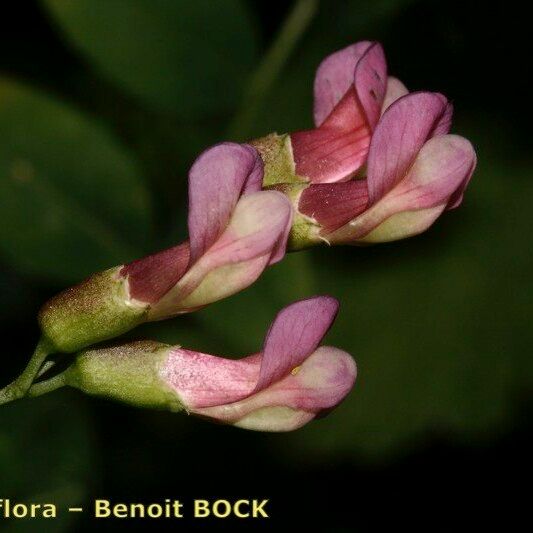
(46, 456)
(189, 56)
(16, 297)
(73, 200)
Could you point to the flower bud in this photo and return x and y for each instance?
(287, 384)
(235, 231)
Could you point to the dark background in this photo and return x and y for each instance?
(103, 107)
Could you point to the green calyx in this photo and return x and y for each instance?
(129, 373)
(276, 153)
(305, 231)
(95, 310)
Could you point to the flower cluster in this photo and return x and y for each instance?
(379, 165)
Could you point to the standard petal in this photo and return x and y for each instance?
(395, 90)
(334, 76)
(318, 385)
(294, 334)
(370, 82)
(255, 236)
(399, 136)
(217, 179)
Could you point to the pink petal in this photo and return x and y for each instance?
(319, 384)
(217, 179)
(336, 150)
(399, 136)
(153, 276)
(334, 76)
(334, 204)
(395, 90)
(370, 82)
(294, 335)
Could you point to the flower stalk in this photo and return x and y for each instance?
(19, 387)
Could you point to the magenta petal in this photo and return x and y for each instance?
(294, 335)
(153, 276)
(400, 134)
(217, 179)
(371, 82)
(334, 204)
(334, 76)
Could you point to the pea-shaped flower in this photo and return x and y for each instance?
(290, 382)
(415, 171)
(235, 231)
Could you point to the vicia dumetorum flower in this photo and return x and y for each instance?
(285, 385)
(379, 165)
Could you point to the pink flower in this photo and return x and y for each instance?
(235, 231)
(351, 89)
(415, 171)
(290, 382)
(281, 388)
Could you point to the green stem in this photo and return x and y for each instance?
(18, 388)
(271, 66)
(43, 387)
